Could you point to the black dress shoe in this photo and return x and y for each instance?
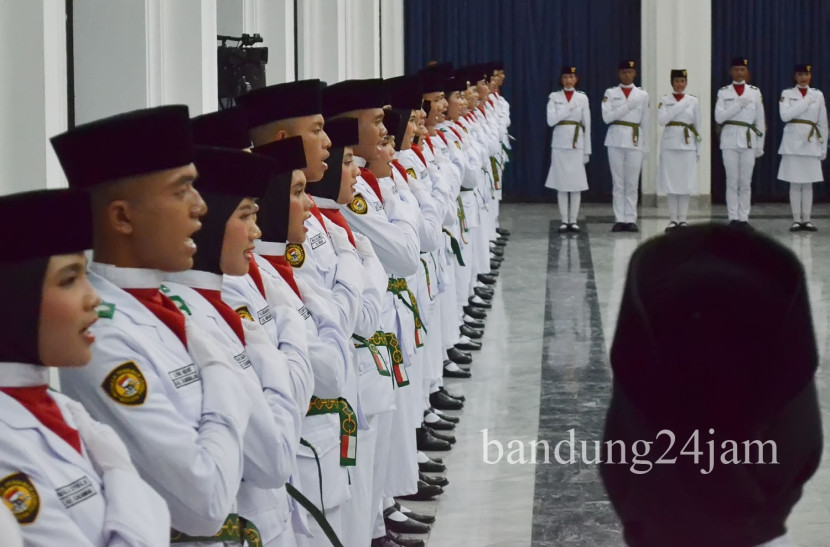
(435, 481)
(442, 401)
(441, 425)
(498, 242)
(431, 467)
(426, 519)
(486, 279)
(430, 443)
(618, 227)
(459, 373)
(443, 390)
(475, 313)
(474, 324)
(478, 302)
(502, 238)
(809, 226)
(468, 346)
(484, 293)
(440, 436)
(496, 259)
(498, 251)
(459, 357)
(631, 227)
(494, 265)
(384, 542)
(425, 492)
(470, 332)
(407, 526)
(795, 227)
(503, 232)
(493, 274)
(400, 541)
(736, 223)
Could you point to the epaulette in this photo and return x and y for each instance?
(724, 87)
(752, 86)
(578, 91)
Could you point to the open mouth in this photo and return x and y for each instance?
(86, 332)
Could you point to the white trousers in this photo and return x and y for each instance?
(569, 206)
(801, 201)
(678, 207)
(738, 163)
(334, 515)
(625, 174)
(358, 513)
(382, 455)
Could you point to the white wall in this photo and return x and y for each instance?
(677, 34)
(33, 95)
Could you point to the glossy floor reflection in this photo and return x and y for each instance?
(544, 370)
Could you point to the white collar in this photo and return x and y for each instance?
(23, 375)
(326, 203)
(799, 87)
(568, 89)
(629, 86)
(267, 248)
(360, 162)
(128, 278)
(738, 83)
(196, 279)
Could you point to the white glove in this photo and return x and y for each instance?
(386, 193)
(255, 333)
(312, 300)
(745, 101)
(340, 239)
(364, 246)
(105, 448)
(586, 158)
(758, 152)
(204, 351)
(823, 156)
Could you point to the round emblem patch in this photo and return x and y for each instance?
(20, 496)
(295, 254)
(244, 313)
(126, 385)
(359, 205)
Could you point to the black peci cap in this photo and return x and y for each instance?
(225, 128)
(405, 92)
(134, 143)
(354, 95)
(281, 102)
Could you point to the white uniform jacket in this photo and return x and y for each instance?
(634, 109)
(800, 138)
(576, 111)
(272, 436)
(687, 111)
(143, 382)
(56, 494)
(746, 108)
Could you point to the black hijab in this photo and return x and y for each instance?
(342, 132)
(276, 203)
(64, 226)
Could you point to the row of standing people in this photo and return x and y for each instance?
(739, 113)
(258, 340)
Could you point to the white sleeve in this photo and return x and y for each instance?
(611, 114)
(136, 515)
(395, 241)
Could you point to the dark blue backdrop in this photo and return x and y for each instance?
(774, 35)
(533, 38)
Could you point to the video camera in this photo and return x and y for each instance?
(241, 67)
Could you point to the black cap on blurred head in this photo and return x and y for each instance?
(281, 102)
(354, 95)
(225, 128)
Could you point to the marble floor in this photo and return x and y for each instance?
(544, 370)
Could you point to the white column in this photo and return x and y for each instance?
(677, 34)
(33, 97)
(363, 39)
(140, 53)
(392, 38)
(322, 40)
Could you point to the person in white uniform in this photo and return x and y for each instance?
(625, 109)
(181, 408)
(679, 113)
(740, 112)
(803, 145)
(570, 147)
(65, 478)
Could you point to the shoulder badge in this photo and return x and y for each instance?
(105, 310)
(359, 205)
(21, 497)
(781, 100)
(126, 385)
(295, 255)
(605, 98)
(411, 172)
(244, 313)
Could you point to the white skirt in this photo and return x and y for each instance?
(677, 173)
(800, 169)
(567, 172)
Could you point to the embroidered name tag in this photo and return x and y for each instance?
(184, 376)
(264, 315)
(304, 313)
(378, 205)
(317, 240)
(242, 360)
(76, 492)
